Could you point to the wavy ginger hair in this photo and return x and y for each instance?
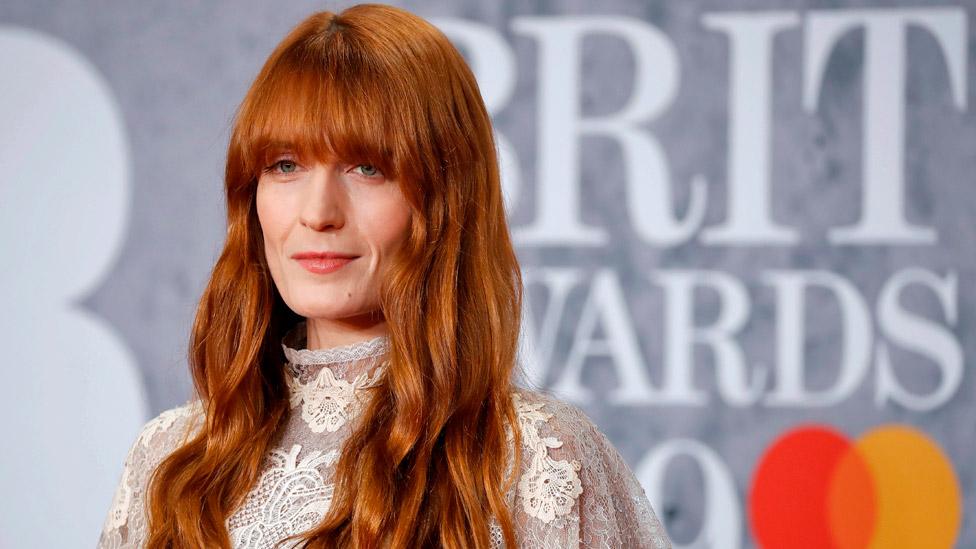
(426, 463)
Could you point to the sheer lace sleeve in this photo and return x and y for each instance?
(574, 489)
(125, 525)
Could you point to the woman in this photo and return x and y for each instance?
(354, 350)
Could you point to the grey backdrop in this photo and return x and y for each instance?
(116, 117)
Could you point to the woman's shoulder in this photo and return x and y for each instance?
(160, 436)
(550, 415)
(573, 483)
(125, 524)
(169, 429)
(558, 441)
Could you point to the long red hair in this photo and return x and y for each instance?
(426, 464)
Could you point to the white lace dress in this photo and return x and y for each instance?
(573, 490)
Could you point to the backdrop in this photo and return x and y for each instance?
(745, 225)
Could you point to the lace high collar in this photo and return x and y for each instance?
(327, 383)
(345, 361)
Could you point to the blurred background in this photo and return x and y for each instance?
(746, 228)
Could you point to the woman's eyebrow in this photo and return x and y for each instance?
(277, 147)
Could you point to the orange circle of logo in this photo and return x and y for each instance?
(893, 487)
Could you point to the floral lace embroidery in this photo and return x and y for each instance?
(290, 497)
(549, 488)
(294, 491)
(327, 401)
(118, 513)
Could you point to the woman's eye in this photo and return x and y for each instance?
(282, 166)
(369, 170)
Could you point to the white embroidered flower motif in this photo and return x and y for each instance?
(327, 401)
(290, 497)
(548, 488)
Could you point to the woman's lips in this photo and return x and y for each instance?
(324, 265)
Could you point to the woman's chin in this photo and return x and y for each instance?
(349, 315)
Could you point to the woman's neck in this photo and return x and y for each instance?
(324, 333)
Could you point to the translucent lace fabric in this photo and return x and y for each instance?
(573, 490)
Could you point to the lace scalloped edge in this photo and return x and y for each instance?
(345, 353)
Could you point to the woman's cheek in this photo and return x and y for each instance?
(275, 206)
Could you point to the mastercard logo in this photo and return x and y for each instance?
(892, 487)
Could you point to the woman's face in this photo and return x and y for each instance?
(352, 212)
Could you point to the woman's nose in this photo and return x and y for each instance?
(323, 207)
